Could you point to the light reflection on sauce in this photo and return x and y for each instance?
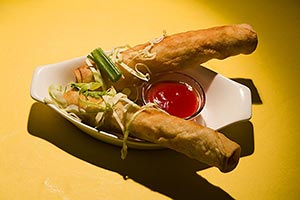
(176, 98)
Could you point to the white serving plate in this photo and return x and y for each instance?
(227, 101)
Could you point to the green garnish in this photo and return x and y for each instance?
(86, 86)
(89, 89)
(105, 64)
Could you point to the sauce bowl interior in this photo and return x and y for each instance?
(177, 77)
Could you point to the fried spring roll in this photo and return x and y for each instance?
(187, 137)
(192, 48)
(183, 50)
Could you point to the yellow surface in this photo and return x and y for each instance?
(44, 157)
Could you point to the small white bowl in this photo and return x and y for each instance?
(177, 77)
(226, 101)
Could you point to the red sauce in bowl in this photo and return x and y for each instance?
(176, 98)
(176, 93)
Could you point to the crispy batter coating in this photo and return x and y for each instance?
(192, 48)
(187, 137)
(183, 50)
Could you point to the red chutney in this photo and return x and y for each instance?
(176, 98)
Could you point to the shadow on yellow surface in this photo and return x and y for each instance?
(242, 133)
(164, 171)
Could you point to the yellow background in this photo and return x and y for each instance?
(44, 157)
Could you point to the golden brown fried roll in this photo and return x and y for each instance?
(192, 48)
(195, 141)
(183, 50)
